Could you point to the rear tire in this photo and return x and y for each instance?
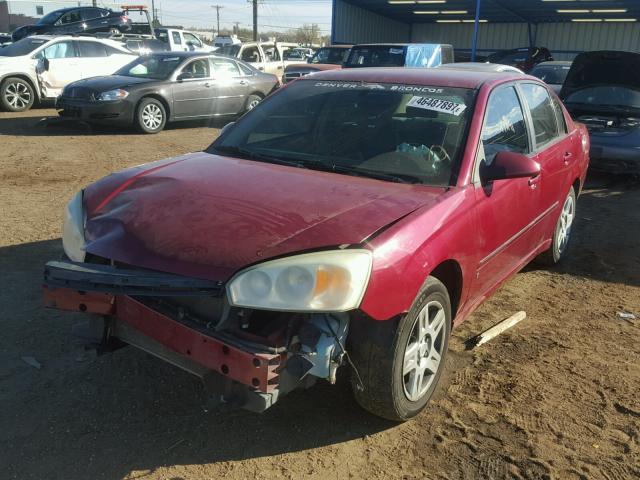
(400, 367)
(562, 233)
(16, 95)
(252, 102)
(151, 116)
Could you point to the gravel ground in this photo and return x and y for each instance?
(555, 397)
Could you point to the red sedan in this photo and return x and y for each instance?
(352, 219)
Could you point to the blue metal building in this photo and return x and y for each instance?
(566, 27)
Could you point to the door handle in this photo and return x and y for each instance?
(567, 157)
(279, 67)
(261, 69)
(534, 181)
(243, 82)
(207, 84)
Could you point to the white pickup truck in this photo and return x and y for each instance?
(182, 40)
(265, 56)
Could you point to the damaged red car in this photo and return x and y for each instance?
(349, 221)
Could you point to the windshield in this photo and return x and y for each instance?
(401, 133)
(49, 18)
(606, 97)
(157, 67)
(377, 56)
(230, 50)
(333, 56)
(22, 47)
(553, 75)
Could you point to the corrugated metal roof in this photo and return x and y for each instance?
(532, 11)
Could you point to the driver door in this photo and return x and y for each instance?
(63, 68)
(508, 211)
(194, 90)
(70, 22)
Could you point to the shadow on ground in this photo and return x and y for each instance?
(46, 126)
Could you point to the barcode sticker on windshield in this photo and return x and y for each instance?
(437, 105)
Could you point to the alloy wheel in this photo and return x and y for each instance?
(424, 350)
(18, 95)
(253, 104)
(152, 116)
(566, 220)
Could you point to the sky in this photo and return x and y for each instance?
(278, 15)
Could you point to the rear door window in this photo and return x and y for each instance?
(224, 68)
(92, 13)
(176, 38)
(92, 49)
(543, 113)
(505, 128)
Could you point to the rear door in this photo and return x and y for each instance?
(177, 44)
(254, 55)
(231, 86)
(97, 59)
(95, 19)
(507, 210)
(555, 150)
(194, 96)
(64, 68)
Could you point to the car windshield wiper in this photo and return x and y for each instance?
(363, 172)
(248, 154)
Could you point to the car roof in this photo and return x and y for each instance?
(48, 38)
(552, 63)
(481, 67)
(435, 77)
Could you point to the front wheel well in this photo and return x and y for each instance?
(157, 97)
(450, 274)
(24, 77)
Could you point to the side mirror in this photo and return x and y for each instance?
(42, 65)
(185, 76)
(507, 165)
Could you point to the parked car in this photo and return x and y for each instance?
(182, 40)
(75, 20)
(167, 87)
(298, 54)
(602, 90)
(353, 218)
(481, 67)
(265, 56)
(326, 58)
(399, 55)
(38, 67)
(462, 56)
(523, 58)
(552, 73)
(145, 46)
(224, 40)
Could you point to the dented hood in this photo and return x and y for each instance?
(207, 216)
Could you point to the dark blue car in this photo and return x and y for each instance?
(602, 90)
(70, 21)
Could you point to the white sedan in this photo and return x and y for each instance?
(39, 67)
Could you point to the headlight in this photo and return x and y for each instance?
(333, 281)
(112, 95)
(73, 229)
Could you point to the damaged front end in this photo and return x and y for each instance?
(246, 357)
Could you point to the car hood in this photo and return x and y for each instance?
(207, 216)
(110, 82)
(591, 69)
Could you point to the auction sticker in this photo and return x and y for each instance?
(437, 105)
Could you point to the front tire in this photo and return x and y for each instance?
(16, 95)
(399, 375)
(562, 232)
(151, 116)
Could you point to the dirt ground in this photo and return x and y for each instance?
(556, 397)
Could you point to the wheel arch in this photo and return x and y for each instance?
(26, 78)
(158, 97)
(449, 272)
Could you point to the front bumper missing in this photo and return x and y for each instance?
(256, 370)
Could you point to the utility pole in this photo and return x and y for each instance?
(154, 18)
(255, 20)
(218, 7)
(94, 3)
